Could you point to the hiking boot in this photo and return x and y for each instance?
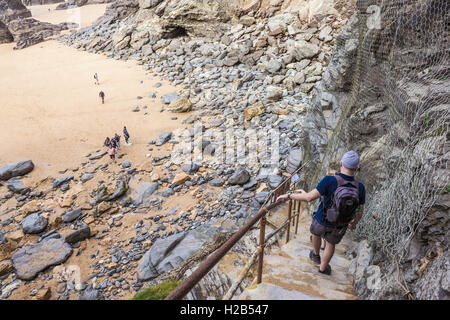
(327, 270)
(314, 257)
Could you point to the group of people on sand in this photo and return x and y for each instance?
(113, 144)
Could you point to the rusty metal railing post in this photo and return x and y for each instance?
(289, 221)
(298, 216)
(262, 235)
(295, 211)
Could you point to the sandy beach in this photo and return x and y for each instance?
(51, 111)
(84, 16)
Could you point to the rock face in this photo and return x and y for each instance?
(5, 35)
(34, 258)
(16, 169)
(34, 223)
(13, 9)
(395, 122)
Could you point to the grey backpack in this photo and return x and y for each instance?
(345, 201)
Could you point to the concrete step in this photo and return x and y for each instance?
(283, 267)
(268, 291)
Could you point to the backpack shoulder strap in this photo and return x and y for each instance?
(341, 181)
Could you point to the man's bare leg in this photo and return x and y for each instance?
(327, 254)
(316, 241)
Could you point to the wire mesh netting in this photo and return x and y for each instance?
(402, 71)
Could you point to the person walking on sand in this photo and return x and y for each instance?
(102, 96)
(96, 79)
(126, 135)
(117, 140)
(112, 152)
(107, 142)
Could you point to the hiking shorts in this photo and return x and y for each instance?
(331, 235)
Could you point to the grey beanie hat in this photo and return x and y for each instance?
(350, 160)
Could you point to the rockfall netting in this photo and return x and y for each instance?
(402, 73)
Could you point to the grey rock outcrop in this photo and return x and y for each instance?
(34, 258)
(5, 34)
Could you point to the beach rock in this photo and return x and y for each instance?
(163, 137)
(16, 185)
(169, 97)
(74, 236)
(97, 155)
(89, 294)
(144, 191)
(16, 169)
(86, 177)
(71, 215)
(274, 180)
(273, 66)
(126, 164)
(180, 178)
(180, 105)
(240, 176)
(216, 182)
(255, 110)
(121, 189)
(303, 50)
(190, 168)
(147, 268)
(262, 196)
(274, 93)
(61, 181)
(34, 258)
(30, 207)
(34, 223)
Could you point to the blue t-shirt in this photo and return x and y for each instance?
(326, 187)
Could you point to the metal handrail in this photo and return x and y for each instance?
(186, 286)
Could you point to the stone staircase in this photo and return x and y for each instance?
(289, 274)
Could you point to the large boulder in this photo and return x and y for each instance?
(147, 268)
(16, 169)
(34, 258)
(144, 191)
(240, 176)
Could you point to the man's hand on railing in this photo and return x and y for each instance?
(283, 197)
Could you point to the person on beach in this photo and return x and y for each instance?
(107, 142)
(112, 152)
(126, 135)
(341, 207)
(117, 140)
(96, 79)
(102, 96)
